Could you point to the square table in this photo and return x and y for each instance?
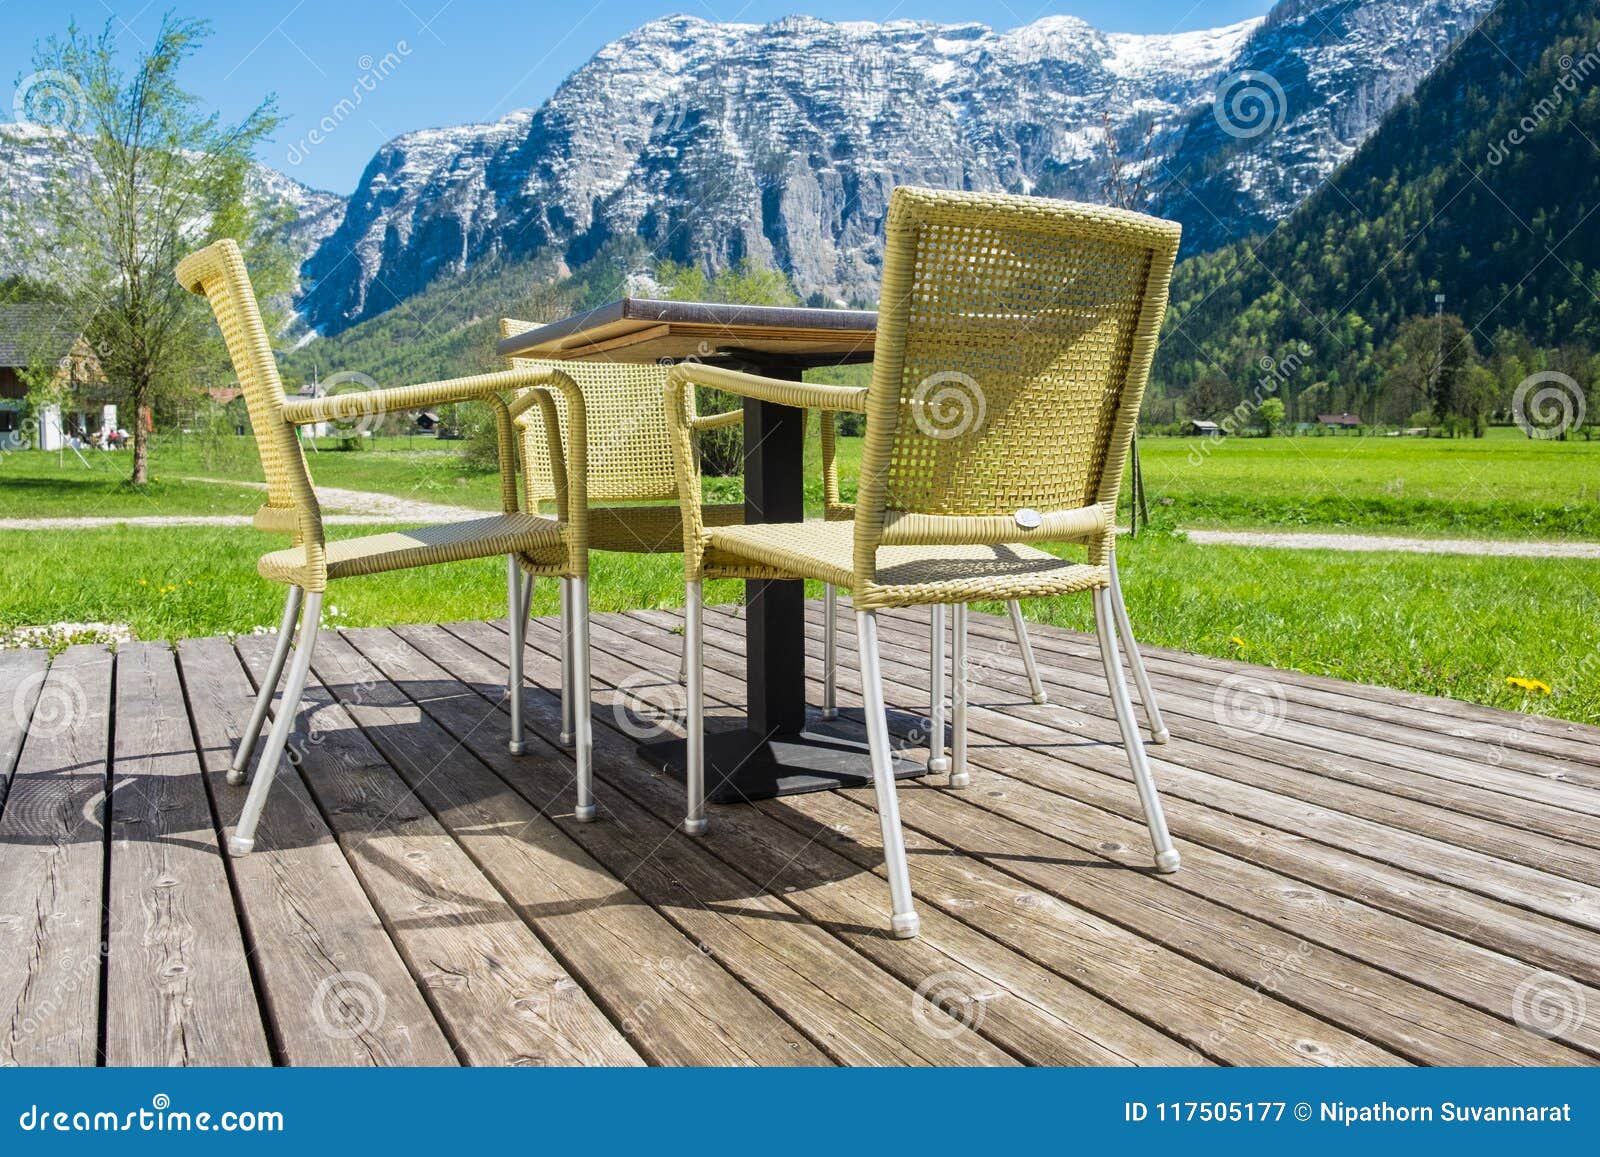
(773, 754)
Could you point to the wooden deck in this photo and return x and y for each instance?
(1369, 877)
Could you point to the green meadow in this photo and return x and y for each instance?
(1439, 624)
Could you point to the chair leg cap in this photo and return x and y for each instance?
(906, 925)
(1041, 699)
(565, 739)
(830, 713)
(584, 814)
(960, 779)
(939, 765)
(516, 747)
(236, 776)
(238, 846)
(1159, 737)
(695, 827)
(1168, 861)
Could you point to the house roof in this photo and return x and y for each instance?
(32, 333)
(1339, 419)
(1203, 424)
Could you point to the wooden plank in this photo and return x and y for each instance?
(52, 855)
(496, 990)
(1537, 890)
(674, 1003)
(1543, 746)
(854, 1012)
(1320, 977)
(1545, 803)
(1518, 933)
(1482, 977)
(319, 951)
(178, 991)
(1540, 734)
(1280, 759)
(1156, 985)
(23, 672)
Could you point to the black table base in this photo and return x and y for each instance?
(742, 765)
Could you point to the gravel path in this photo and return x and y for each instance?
(372, 507)
(362, 506)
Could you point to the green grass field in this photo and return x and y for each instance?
(1504, 485)
(1437, 624)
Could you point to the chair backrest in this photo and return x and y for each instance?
(218, 273)
(1014, 341)
(630, 452)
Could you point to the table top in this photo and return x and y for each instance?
(641, 329)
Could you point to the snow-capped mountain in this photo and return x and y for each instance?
(781, 142)
(27, 155)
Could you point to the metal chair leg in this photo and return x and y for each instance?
(1105, 631)
(244, 836)
(1035, 685)
(830, 651)
(567, 619)
(583, 722)
(960, 773)
(518, 623)
(269, 686)
(903, 920)
(694, 817)
(938, 762)
(1152, 713)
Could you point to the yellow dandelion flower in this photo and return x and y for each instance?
(1538, 685)
(1237, 641)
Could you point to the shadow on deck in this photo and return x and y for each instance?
(1369, 877)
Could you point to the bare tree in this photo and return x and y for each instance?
(143, 175)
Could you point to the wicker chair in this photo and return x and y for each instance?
(1015, 336)
(630, 465)
(835, 509)
(532, 544)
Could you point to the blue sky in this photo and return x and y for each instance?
(469, 60)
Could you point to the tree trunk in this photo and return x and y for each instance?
(141, 444)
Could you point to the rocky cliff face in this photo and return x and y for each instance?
(1303, 91)
(781, 142)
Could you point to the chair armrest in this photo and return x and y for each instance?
(370, 403)
(800, 394)
(717, 421)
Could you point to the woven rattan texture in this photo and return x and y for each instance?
(1014, 342)
(546, 546)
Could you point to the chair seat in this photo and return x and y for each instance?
(651, 529)
(529, 534)
(907, 575)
